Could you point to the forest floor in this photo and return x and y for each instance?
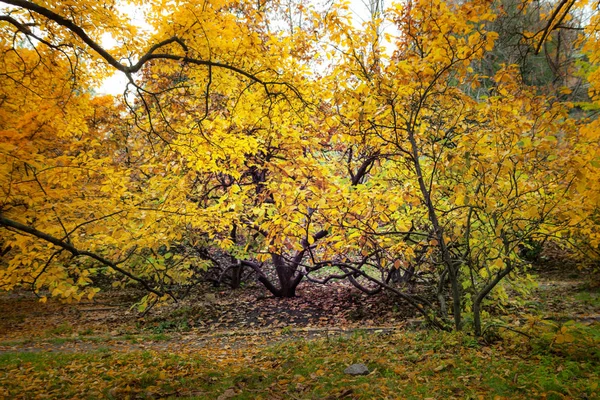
(223, 344)
(213, 314)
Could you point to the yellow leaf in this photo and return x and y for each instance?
(563, 329)
(353, 235)
(568, 338)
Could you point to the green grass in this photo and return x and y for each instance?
(62, 329)
(589, 298)
(327, 271)
(86, 332)
(405, 365)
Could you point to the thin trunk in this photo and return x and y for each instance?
(236, 277)
(236, 272)
(440, 294)
(477, 317)
(438, 232)
(483, 294)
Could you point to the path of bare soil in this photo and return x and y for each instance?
(567, 294)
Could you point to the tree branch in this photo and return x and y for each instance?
(568, 4)
(149, 55)
(75, 251)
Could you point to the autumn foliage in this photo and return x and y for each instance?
(290, 142)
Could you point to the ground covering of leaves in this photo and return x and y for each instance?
(403, 365)
(565, 295)
(213, 312)
(244, 345)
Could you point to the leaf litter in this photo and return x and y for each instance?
(244, 344)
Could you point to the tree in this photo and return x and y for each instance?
(487, 174)
(131, 218)
(541, 38)
(239, 144)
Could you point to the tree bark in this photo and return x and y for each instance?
(483, 294)
(286, 273)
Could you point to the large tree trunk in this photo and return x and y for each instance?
(287, 275)
(236, 276)
(287, 270)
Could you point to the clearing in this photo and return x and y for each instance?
(224, 344)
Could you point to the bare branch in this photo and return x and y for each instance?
(551, 25)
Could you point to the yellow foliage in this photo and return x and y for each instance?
(278, 135)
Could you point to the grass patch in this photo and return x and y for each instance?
(59, 330)
(589, 298)
(179, 324)
(403, 365)
(86, 332)
(157, 337)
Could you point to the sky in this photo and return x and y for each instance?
(115, 85)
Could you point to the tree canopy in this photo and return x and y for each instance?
(436, 141)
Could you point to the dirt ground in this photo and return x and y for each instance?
(211, 314)
(223, 317)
